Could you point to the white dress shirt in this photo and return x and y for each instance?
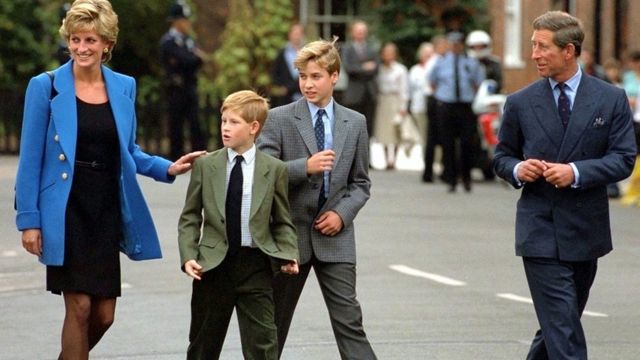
(248, 168)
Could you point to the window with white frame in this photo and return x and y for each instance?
(513, 35)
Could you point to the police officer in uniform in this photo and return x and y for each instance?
(181, 60)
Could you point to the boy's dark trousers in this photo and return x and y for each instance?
(242, 281)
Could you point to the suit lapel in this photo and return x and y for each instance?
(121, 104)
(340, 130)
(217, 180)
(545, 109)
(582, 113)
(260, 183)
(304, 124)
(63, 110)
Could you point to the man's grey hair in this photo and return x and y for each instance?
(566, 29)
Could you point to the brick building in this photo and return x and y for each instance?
(609, 29)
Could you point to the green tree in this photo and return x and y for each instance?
(251, 40)
(411, 22)
(29, 33)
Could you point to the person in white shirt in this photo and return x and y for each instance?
(420, 87)
(393, 100)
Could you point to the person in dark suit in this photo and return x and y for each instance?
(284, 74)
(562, 140)
(181, 59)
(228, 238)
(77, 197)
(360, 61)
(326, 149)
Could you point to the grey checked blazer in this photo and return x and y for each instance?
(288, 135)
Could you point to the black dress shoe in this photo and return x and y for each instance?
(467, 186)
(427, 179)
(452, 189)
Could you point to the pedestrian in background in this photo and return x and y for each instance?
(479, 47)
(612, 70)
(393, 100)
(329, 184)
(284, 74)
(632, 192)
(181, 59)
(562, 140)
(455, 80)
(432, 142)
(230, 260)
(631, 78)
(360, 62)
(77, 198)
(590, 66)
(419, 87)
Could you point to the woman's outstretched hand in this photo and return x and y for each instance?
(183, 164)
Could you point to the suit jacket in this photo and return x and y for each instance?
(570, 224)
(288, 135)
(362, 83)
(202, 234)
(47, 158)
(281, 76)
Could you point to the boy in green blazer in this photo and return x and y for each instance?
(235, 221)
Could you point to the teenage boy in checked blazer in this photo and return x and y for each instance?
(325, 147)
(234, 222)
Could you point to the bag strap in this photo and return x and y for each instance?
(54, 92)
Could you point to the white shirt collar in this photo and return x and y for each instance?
(248, 155)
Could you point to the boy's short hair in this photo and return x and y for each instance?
(323, 52)
(249, 105)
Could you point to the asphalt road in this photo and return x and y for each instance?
(437, 279)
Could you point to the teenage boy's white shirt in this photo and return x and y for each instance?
(248, 167)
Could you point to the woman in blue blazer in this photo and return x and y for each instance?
(78, 201)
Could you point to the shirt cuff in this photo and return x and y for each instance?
(515, 174)
(576, 176)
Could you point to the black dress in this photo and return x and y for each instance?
(93, 225)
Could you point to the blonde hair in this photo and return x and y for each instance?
(92, 15)
(323, 52)
(248, 105)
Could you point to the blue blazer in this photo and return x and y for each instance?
(570, 224)
(47, 158)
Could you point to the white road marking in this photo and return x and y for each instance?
(125, 285)
(9, 253)
(515, 297)
(523, 299)
(433, 277)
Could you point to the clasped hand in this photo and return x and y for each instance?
(320, 162)
(558, 175)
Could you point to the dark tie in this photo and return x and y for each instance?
(456, 75)
(233, 206)
(564, 105)
(319, 131)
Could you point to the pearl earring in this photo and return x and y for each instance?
(106, 50)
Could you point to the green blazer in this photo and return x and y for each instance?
(270, 222)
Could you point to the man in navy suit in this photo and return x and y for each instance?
(563, 139)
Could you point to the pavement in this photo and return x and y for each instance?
(437, 279)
